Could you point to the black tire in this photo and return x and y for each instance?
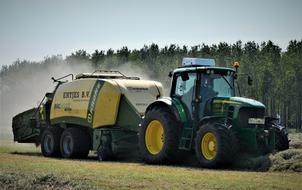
(282, 142)
(50, 142)
(225, 146)
(169, 152)
(74, 143)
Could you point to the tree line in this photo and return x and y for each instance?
(276, 74)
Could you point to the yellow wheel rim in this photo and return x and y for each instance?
(154, 137)
(209, 146)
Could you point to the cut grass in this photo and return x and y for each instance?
(20, 169)
(114, 175)
(42, 181)
(23, 167)
(289, 160)
(295, 140)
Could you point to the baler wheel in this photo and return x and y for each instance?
(215, 145)
(75, 143)
(159, 137)
(50, 142)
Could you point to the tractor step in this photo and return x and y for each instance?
(186, 138)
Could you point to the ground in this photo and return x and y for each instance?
(23, 167)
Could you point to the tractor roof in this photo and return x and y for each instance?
(201, 68)
(199, 64)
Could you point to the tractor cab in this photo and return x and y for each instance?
(198, 83)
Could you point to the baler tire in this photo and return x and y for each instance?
(226, 145)
(282, 142)
(74, 143)
(51, 135)
(168, 152)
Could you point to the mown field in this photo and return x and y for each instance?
(23, 167)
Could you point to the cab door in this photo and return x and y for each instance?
(184, 89)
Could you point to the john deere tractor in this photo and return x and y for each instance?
(202, 115)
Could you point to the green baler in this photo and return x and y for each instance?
(98, 111)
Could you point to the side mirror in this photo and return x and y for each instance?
(170, 74)
(184, 76)
(249, 80)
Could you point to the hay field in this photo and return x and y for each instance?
(23, 167)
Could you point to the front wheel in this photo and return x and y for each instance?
(215, 145)
(282, 142)
(159, 137)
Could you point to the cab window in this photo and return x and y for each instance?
(185, 89)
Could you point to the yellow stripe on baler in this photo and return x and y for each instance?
(107, 104)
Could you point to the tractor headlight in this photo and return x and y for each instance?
(256, 121)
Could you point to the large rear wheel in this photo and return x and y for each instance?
(75, 143)
(159, 137)
(50, 142)
(215, 145)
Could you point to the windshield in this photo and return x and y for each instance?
(217, 85)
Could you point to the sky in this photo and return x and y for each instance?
(34, 29)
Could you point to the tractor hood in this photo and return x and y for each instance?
(236, 107)
(247, 102)
(222, 103)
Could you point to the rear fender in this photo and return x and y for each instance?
(174, 105)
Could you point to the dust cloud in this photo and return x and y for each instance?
(129, 69)
(24, 89)
(132, 70)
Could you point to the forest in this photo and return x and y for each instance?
(276, 73)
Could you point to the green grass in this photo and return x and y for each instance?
(23, 167)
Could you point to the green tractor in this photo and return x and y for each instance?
(202, 115)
